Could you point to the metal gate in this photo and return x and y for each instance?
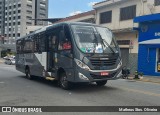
(125, 56)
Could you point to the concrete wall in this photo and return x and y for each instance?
(145, 8)
(115, 7)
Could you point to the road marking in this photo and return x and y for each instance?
(1, 82)
(149, 82)
(143, 92)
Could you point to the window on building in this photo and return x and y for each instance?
(28, 23)
(29, 6)
(42, 4)
(123, 42)
(18, 34)
(127, 13)
(29, 12)
(157, 2)
(19, 5)
(106, 17)
(29, 17)
(158, 59)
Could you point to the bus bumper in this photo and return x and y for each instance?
(82, 75)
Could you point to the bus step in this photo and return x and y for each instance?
(50, 78)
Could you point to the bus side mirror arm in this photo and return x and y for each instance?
(39, 52)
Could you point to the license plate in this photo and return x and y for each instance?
(104, 73)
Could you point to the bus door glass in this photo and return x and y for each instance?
(65, 48)
(53, 37)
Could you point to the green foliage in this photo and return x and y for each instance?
(6, 53)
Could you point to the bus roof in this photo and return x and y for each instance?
(52, 26)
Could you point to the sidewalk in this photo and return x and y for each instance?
(152, 79)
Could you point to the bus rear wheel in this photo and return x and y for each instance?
(28, 75)
(101, 83)
(63, 82)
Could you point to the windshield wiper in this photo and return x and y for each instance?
(106, 43)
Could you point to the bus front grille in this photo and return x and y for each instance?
(98, 62)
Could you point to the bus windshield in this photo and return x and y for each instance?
(94, 39)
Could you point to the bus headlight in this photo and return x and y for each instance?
(81, 64)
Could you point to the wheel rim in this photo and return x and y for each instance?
(63, 81)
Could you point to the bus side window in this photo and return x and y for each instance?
(52, 42)
(65, 39)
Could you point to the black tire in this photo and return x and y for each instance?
(63, 82)
(28, 75)
(101, 83)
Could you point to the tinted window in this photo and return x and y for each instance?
(157, 2)
(106, 17)
(127, 13)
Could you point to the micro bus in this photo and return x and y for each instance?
(70, 52)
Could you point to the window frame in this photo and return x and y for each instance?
(126, 15)
(103, 17)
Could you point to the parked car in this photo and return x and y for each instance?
(10, 61)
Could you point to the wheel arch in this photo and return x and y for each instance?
(60, 70)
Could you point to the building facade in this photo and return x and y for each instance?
(2, 10)
(41, 12)
(19, 15)
(149, 44)
(118, 15)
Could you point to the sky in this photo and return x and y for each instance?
(65, 8)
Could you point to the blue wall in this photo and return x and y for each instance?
(150, 33)
(147, 59)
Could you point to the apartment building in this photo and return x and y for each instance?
(41, 11)
(18, 15)
(2, 10)
(118, 15)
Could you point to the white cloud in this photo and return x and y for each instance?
(75, 13)
(90, 4)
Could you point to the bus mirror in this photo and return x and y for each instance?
(39, 52)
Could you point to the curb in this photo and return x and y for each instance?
(155, 80)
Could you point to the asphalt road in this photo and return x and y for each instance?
(16, 90)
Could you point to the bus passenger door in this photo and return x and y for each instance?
(52, 40)
(65, 55)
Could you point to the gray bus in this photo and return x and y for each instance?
(70, 52)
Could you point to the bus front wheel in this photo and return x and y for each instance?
(101, 83)
(28, 75)
(63, 82)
